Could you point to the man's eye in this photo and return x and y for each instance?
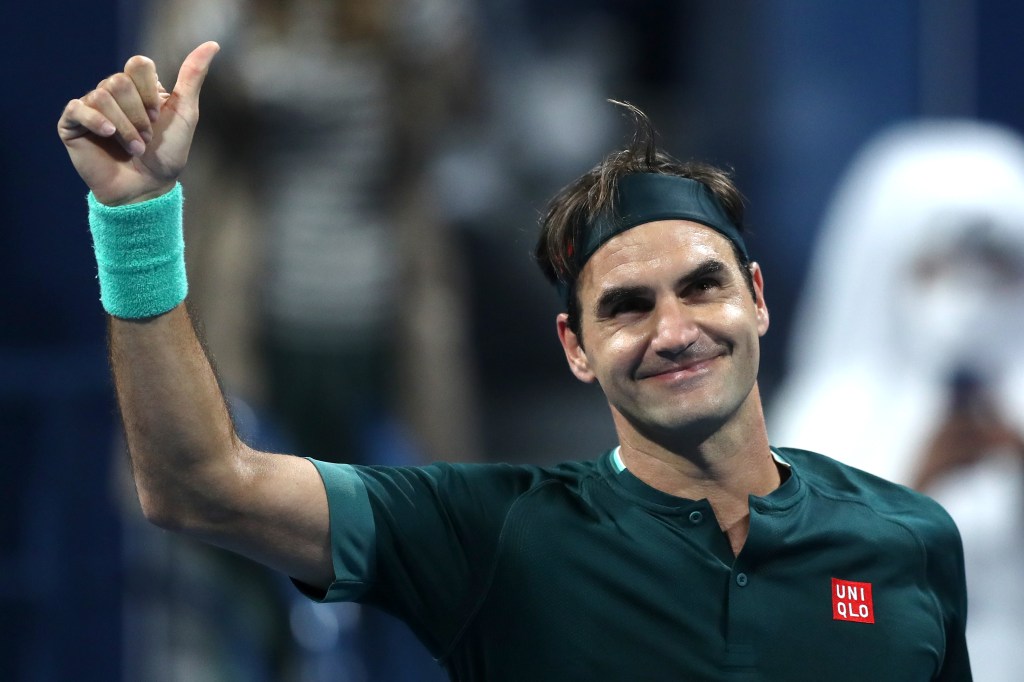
(705, 284)
(630, 305)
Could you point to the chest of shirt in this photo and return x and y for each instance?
(592, 592)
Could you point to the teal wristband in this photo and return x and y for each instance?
(140, 251)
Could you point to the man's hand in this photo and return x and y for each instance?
(129, 138)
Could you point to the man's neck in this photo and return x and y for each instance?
(724, 468)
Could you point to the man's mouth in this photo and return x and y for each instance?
(679, 370)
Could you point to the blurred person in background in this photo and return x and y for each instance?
(326, 185)
(907, 360)
(334, 292)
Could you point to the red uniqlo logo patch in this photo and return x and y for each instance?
(852, 601)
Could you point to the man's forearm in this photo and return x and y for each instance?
(179, 433)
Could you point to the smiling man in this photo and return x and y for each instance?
(672, 313)
(693, 550)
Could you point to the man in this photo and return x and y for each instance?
(693, 551)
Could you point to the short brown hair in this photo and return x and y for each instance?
(580, 203)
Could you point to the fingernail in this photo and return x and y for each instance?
(146, 136)
(107, 128)
(154, 114)
(136, 148)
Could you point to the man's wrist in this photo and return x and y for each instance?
(142, 198)
(140, 254)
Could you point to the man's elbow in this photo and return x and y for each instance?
(163, 512)
(186, 509)
(190, 501)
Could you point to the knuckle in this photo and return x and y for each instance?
(68, 115)
(100, 97)
(105, 82)
(138, 62)
(119, 83)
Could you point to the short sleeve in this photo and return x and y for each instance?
(352, 533)
(419, 542)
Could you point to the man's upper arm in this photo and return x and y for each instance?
(276, 514)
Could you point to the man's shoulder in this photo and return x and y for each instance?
(568, 473)
(843, 480)
(517, 476)
(842, 483)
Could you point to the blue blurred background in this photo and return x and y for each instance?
(785, 92)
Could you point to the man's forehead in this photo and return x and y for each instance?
(659, 244)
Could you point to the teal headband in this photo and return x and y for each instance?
(647, 197)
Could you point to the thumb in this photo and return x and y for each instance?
(193, 72)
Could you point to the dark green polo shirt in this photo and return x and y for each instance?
(583, 572)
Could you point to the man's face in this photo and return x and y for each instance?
(670, 328)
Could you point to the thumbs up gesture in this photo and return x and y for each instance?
(129, 138)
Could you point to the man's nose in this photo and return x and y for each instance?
(675, 327)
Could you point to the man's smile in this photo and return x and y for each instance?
(679, 370)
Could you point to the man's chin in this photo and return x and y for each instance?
(682, 430)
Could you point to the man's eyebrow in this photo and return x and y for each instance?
(614, 295)
(711, 266)
(611, 297)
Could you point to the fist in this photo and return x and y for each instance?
(129, 137)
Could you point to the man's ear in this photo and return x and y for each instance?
(762, 307)
(574, 353)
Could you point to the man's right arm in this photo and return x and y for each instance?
(192, 472)
(129, 140)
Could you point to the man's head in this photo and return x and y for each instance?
(593, 201)
(649, 256)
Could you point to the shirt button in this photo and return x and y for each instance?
(696, 517)
(741, 579)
